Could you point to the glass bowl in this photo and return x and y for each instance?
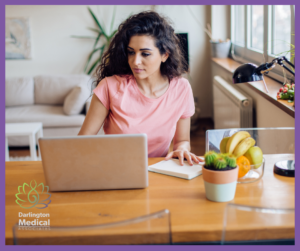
(279, 140)
(255, 173)
(273, 140)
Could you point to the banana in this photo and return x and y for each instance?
(235, 139)
(223, 144)
(243, 146)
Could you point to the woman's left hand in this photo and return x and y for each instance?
(181, 154)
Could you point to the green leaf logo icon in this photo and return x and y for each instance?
(33, 195)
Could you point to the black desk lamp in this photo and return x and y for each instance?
(251, 73)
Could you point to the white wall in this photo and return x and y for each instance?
(220, 21)
(55, 52)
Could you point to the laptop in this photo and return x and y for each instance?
(98, 162)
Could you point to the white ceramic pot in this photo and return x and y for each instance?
(220, 50)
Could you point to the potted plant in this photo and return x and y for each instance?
(219, 48)
(220, 174)
(100, 32)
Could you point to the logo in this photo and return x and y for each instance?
(33, 196)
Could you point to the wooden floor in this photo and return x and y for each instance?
(197, 141)
(198, 136)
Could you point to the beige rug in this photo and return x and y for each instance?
(26, 158)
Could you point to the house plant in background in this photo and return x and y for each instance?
(100, 45)
(219, 48)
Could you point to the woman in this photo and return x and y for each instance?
(140, 88)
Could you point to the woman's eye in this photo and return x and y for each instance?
(143, 54)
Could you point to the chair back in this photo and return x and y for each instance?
(260, 225)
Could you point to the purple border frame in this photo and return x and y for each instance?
(128, 2)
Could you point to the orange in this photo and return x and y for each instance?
(244, 166)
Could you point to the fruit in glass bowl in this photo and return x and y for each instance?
(255, 156)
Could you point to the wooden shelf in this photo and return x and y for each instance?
(273, 86)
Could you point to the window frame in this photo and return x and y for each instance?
(245, 54)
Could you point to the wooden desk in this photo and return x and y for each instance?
(193, 217)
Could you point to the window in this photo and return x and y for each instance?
(280, 29)
(260, 33)
(239, 13)
(256, 34)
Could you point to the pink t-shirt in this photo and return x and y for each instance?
(132, 112)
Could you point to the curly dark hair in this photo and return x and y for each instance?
(150, 23)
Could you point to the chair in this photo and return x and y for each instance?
(154, 228)
(271, 140)
(264, 225)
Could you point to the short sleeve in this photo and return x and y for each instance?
(188, 103)
(102, 92)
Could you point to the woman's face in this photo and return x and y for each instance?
(144, 57)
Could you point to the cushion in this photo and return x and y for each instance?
(49, 115)
(75, 100)
(19, 91)
(52, 90)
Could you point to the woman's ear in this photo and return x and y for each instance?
(164, 57)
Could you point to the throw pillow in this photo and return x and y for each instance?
(75, 100)
(53, 89)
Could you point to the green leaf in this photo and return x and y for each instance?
(86, 37)
(111, 36)
(97, 61)
(97, 39)
(93, 66)
(93, 29)
(285, 52)
(97, 22)
(90, 57)
(291, 51)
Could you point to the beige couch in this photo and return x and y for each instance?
(59, 102)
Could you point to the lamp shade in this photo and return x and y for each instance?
(247, 73)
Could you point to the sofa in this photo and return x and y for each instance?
(60, 102)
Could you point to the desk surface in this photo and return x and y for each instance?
(193, 217)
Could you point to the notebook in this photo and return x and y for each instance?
(172, 167)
